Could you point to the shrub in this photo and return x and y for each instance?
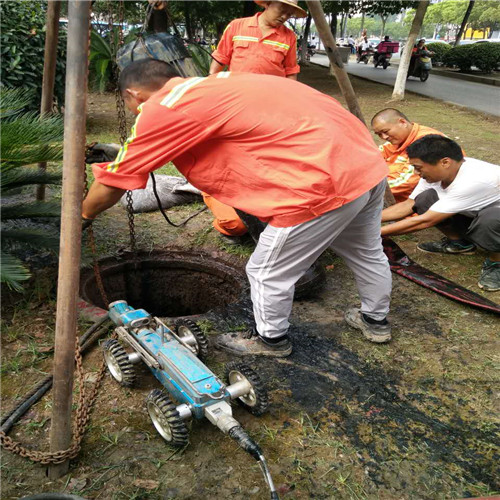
(439, 49)
(26, 139)
(22, 39)
(461, 57)
(486, 56)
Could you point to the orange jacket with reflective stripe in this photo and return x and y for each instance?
(270, 146)
(243, 49)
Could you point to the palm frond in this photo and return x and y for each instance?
(36, 238)
(13, 101)
(25, 176)
(31, 210)
(12, 272)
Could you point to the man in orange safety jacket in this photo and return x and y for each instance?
(316, 177)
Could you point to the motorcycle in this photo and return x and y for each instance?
(382, 60)
(422, 66)
(364, 56)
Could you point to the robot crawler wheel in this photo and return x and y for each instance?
(190, 333)
(256, 401)
(166, 419)
(118, 362)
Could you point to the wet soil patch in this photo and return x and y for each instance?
(167, 283)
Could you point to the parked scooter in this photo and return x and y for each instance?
(422, 66)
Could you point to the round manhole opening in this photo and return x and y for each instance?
(166, 284)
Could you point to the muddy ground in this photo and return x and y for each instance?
(414, 419)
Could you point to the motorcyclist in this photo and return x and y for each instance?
(365, 46)
(381, 48)
(418, 50)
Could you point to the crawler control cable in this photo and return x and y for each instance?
(250, 446)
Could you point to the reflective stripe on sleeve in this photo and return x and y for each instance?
(115, 165)
(179, 90)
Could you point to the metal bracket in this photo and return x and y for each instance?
(146, 355)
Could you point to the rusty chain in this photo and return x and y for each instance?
(85, 400)
(85, 404)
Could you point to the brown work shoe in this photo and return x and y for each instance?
(373, 332)
(246, 344)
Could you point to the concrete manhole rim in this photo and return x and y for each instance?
(225, 264)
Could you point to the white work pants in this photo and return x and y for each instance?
(283, 255)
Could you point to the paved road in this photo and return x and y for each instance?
(472, 95)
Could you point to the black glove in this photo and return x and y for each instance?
(101, 153)
(86, 223)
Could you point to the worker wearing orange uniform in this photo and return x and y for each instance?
(316, 177)
(257, 44)
(394, 127)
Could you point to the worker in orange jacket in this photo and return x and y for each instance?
(399, 132)
(257, 44)
(316, 177)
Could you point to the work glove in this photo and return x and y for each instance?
(101, 153)
(86, 223)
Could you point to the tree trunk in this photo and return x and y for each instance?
(158, 22)
(326, 35)
(362, 23)
(187, 17)
(49, 72)
(399, 87)
(305, 40)
(333, 26)
(464, 23)
(384, 20)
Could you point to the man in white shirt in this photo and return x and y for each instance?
(460, 196)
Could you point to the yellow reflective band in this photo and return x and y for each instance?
(403, 177)
(223, 74)
(113, 167)
(179, 90)
(242, 38)
(277, 44)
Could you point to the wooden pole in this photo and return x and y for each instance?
(333, 54)
(340, 73)
(71, 228)
(49, 71)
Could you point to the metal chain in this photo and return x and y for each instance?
(85, 401)
(85, 404)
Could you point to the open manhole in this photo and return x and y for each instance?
(167, 283)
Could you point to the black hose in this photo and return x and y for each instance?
(250, 446)
(185, 221)
(8, 420)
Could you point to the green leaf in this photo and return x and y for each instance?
(31, 210)
(36, 238)
(12, 271)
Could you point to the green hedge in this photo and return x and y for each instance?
(460, 56)
(439, 49)
(486, 56)
(22, 38)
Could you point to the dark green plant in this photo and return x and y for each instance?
(486, 56)
(22, 40)
(102, 53)
(440, 50)
(460, 56)
(201, 57)
(26, 139)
